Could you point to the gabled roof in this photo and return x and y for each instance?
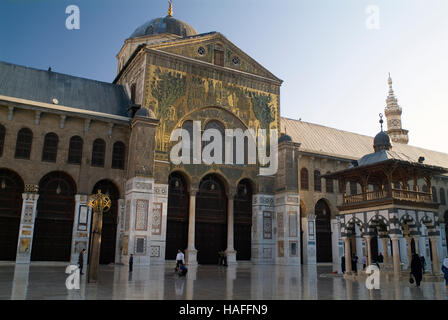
(318, 139)
(70, 91)
(217, 36)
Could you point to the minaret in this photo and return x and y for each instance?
(393, 116)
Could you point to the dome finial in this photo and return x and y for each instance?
(381, 121)
(170, 8)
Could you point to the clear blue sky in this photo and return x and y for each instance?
(334, 68)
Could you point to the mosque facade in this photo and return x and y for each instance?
(63, 138)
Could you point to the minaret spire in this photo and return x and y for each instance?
(393, 116)
(170, 8)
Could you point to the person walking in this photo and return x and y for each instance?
(131, 262)
(423, 263)
(380, 258)
(445, 271)
(180, 259)
(364, 262)
(343, 264)
(355, 263)
(81, 260)
(416, 269)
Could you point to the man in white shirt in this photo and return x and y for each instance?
(180, 259)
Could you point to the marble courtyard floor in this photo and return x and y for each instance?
(244, 282)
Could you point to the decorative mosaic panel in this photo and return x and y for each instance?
(254, 253)
(292, 224)
(82, 219)
(141, 215)
(79, 245)
(140, 245)
(24, 247)
(281, 251)
(267, 225)
(157, 210)
(280, 225)
(125, 248)
(128, 215)
(293, 248)
(155, 251)
(310, 230)
(254, 223)
(28, 214)
(267, 253)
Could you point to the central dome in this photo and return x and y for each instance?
(166, 24)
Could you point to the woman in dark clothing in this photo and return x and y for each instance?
(416, 269)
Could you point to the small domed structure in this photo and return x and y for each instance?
(381, 142)
(166, 24)
(284, 137)
(145, 113)
(382, 139)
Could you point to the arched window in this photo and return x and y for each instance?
(442, 196)
(118, 155)
(98, 150)
(50, 149)
(434, 194)
(317, 181)
(2, 138)
(23, 144)
(353, 187)
(75, 150)
(304, 179)
(329, 185)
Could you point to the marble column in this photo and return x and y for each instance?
(417, 246)
(81, 229)
(369, 249)
(348, 258)
(435, 256)
(230, 251)
(408, 241)
(26, 231)
(396, 254)
(385, 249)
(191, 252)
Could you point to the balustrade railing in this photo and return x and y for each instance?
(382, 194)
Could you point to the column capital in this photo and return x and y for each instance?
(393, 236)
(231, 194)
(193, 192)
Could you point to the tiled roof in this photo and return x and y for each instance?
(332, 142)
(70, 91)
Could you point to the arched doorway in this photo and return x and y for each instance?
(11, 189)
(54, 219)
(109, 230)
(177, 216)
(211, 219)
(323, 232)
(242, 209)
